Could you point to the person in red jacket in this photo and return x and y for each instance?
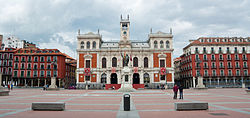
(175, 89)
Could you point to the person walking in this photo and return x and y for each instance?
(175, 89)
(11, 86)
(181, 91)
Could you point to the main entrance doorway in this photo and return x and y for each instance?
(113, 78)
(136, 78)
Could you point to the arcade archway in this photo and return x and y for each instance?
(113, 78)
(136, 78)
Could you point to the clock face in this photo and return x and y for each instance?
(125, 33)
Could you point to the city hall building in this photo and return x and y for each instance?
(99, 63)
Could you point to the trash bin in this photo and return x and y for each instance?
(126, 101)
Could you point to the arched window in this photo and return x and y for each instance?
(135, 62)
(155, 44)
(145, 62)
(114, 62)
(167, 44)
(161, 44)
(103, 62)
(82, 45)
(94, 45)
(88, 45)
(103, 78)
(146, 78)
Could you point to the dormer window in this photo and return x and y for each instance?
(155, 44)
(82, 45)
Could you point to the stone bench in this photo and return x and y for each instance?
(248, 91)
(4, 93)
(53, 89)
(48, 106)
(181, 106)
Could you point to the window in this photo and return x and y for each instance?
(88, 45)
(245, 64)
(213, 57)
(237, 65)
(82, 45)
(221, 57)
(244, 57)
(229, 65)
(197, 57)
(228, 57)
(220, 51)
(196, 50)
(145, 62)
(87, 64)
(48, 66)
(103, 62)
(28, 73)
(11, 56)
(228, 50)
(49, 59)
(10, 63)
(212, 49)
(36, 59)
(167, 44)
(229, 72)
(221, 65)
(22, 66)
(213, 65)
(42, 66)
(48, 74)
(205, 65)
(114, 62)
(236, 57)
(135, 62)
(204, 50)
(54, 58)
(29, 58)
(23, 58)
(16, 66)
(42, 73)
(155, 44)
(222, 72)
(35, 66)
(205, 73)
(235, 49)
(35, 73)
(22, 73)
(16, 59)
(161, 44)
(237, 72)
(15, 73)
(162, 63)
(103, 78)
(29, 66)
(55, 67)
(214, 72)
(245, 73)
(42, 59)
(94, 45)
(243, 49)
(55, 73)
(204, 57)
(163, 77)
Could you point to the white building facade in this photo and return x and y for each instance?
(99, 63)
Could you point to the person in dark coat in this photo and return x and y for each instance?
(181, 91)
(175, 89)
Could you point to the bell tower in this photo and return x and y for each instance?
(124, 24)
(124, 34)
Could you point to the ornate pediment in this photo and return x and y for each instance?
(162, 55)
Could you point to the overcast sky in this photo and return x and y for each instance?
(54, 23)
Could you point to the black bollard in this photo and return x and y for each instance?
(126, 101)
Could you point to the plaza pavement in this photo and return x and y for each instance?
(223, 103)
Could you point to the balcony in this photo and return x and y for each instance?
(205, 59)
(229, 67)
(48, 75)
(213, 59)
(245, 66)
(22, 60)
(237, 59)
(229, 59)
(205, 66)
(16, 60)
(197, 66)
(245, 59)
(213, 66)
(221, 59)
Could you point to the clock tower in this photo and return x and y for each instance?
(124, 34)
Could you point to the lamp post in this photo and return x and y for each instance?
(200, 78)
(53, 78)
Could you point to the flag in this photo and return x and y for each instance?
(130, 57)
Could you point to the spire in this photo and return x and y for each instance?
(151, 30)
(121, 16)
(98, 31)
(128, 16)
(170, 30)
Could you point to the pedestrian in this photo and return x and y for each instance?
(44, 87)
(11, 86)
(8, 87)
(175, 89)
(181, 91)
